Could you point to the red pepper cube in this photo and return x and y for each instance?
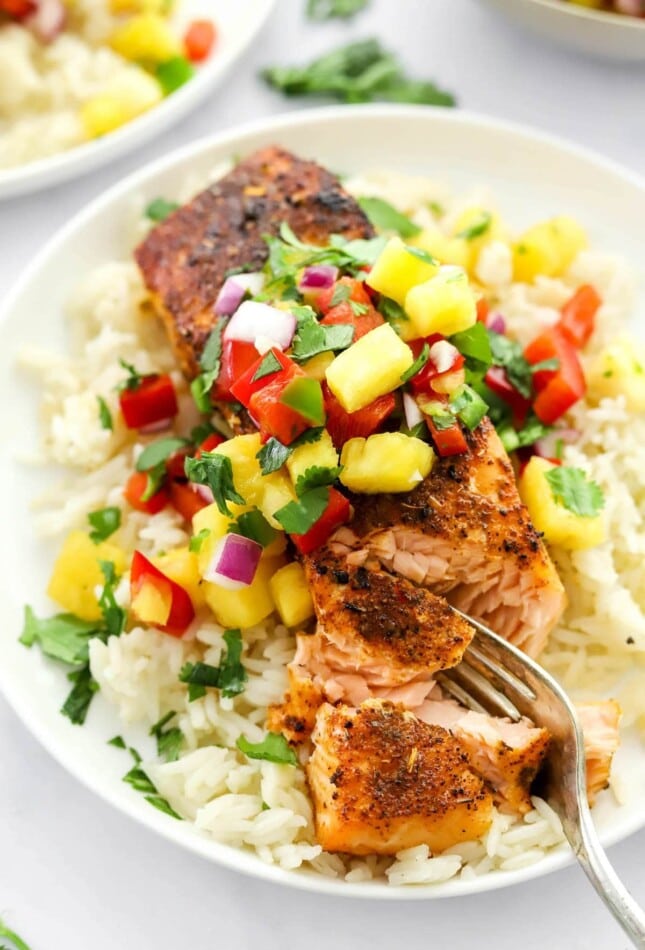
(185, 500)
(578, 320)
(345, 316)
(558, 389)
(157, 600)
(135, 489)
(243, 388)
(498, 382)
(272, 416)
(335, 514)
(421, 382)
(343, 426)
(358, 292)
(450, 441)
(153, 400)
(199, 40)
(237, 357)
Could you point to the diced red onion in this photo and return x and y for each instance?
(234, 290)
(159, 426)
(496, 323)
(234, 562)
(317, 277)
(547, 446)
(47, 20)
(444, 355)
(203, 491)
(413, 415)
(252, 320)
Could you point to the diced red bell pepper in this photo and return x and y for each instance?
(557, 389)
(158, 600)
(362, 323)
(176, 464)
(422, 382)
(185, 500)
(134, 490)
(210, 443)
(498, 382)
(199, 40)
(578, 320)
(482, 310)
(449, 441)
(245, 386)
(153, 400)
(343, 425)
(237, 357)
(18, 8)
(357, 292)
(335, 514)
(273, 417)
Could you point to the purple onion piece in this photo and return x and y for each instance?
(234, 562)
(229, 298)
(318, 277)
(159, 426)
(496, 323)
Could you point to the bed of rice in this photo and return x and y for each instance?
(40, 103)
(595, 651)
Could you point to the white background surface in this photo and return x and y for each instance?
(76, 875)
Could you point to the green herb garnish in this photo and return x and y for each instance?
(133, 379)
(197, 540)
(316, 477)
(253, 525)
(297, 517)
(508, 354)
(418, 364)
(479, 226)
(274, 454)
(270, 364)
(62, 637)
(273, 748)
(174, 73)
(159, 209)
(229, 677)
(216, 471)
(12, 936)
(385, 217)
(572, 489)
(210, 364)
(329, 9)
(105, 416)
(169, 741)
(104, 522)
(312, 338)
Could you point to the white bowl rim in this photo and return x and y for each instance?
(588, 13)
(225, 856)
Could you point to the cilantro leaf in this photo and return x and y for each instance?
(159, 209)
(328, 9)
(297, 517)
(474, 344)
(140, 782)
(270, 364)
(133, 380)
(169, 741)
(550, 364)
(468, 406)
(341, 293)
(159, 452)
(315, 477)
(530, 432)
(113, 615)
(508, 354)
(312, 337)
(274, 454)
(273, 748)
(216, 471)
(477, 228)
(385, 217)
(198, 539)
(117, 741)
(418, 364)
(104, 521)
(229, 677)
(78, 701)
(572, 489)
(358, 308)
(253, 525)
(105, 416)
(63, 637)
(423, 255)
(12, 936)
(392, 310)
(210, 363)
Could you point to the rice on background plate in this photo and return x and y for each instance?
(597, 650)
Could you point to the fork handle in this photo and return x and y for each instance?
(596, 865)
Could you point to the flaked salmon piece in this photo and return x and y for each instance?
(508, 755)
(185, 259)
(382, 781)
(464, 532)
(295, 716)
(600, 723)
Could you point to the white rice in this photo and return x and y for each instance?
(265, 807)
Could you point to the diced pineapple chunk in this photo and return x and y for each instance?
(559, 525)
(444, 304)
(548, 248)
(386, 462)
(370, 368)
(619, 370)
(139, 6)
(291, 595)
(182, 566)
(396, 270)
(247, 475)
(321, 453)
(448, 250)
(151, 604)
(147, 37)
(77, 574)
(121, 100)
(277, 492)
(248, 606)
(316, 367)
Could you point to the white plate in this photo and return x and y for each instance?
(606, 35)
(237, 24)
(534, 176)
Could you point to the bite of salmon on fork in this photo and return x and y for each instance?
(383, 781)
(600, 722)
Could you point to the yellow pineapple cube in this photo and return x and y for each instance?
(619, 370)
(444, 304)
(291, 595)
(151, 605)
(317, 366)
(277, 492)
(77, 574)
(248, 606)
(548, 248)
(370, 368)
(559, 525)
(247, 474)
(122, 99)
(386, 462)
(397, 269)
(146, 37)
(321, 453)
(182, 566)
(447, 250)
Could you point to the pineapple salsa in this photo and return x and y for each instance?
(358, 365)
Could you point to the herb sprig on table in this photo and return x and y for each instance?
(358, 72)
(338, 9)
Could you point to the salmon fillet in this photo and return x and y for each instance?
(464, 533)
(508, 755)
(185, 259)
(382, 780)
(600, 727)
(295, 716)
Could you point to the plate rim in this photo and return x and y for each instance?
(45, 173)
(590, 15)
(234, 858)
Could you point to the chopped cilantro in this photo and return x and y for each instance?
(104, 522)
(479, 226)
(392, 310)
(274, 454)
(550, 364)
(169, 741)
(78, 701)
(385, 217)
(229, 677)
(253, 525)
(468, 406)
(423, 256)
(133, 380)
(315, 477)
(159, 452)
(341, 293)
(216, 471)
(273, 748)
(437, 209)
(474, 344)
(210, 364)
(530, 432)
(140, 782)
(197, 540)
(62, 637)
(329, 9)
(313, 338)
(358, 308)
(270, 364)
(160, 208)
(12, 936)
(572, 489)
(105, 416)
(117, 741)
(508, 354)
(113, 615)
(297, 517)
(418, 364)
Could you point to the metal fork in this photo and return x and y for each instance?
(495, 677)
